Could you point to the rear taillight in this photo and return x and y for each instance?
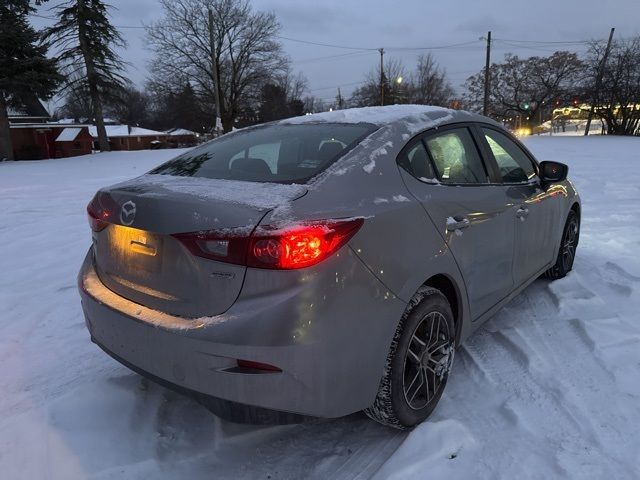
(98, 216)
(230, 246)
(258, 366)
(299, 246)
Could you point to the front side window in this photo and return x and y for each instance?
(273, 153)
(456, 157)
(514, 165)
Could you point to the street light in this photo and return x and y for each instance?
(399, 80)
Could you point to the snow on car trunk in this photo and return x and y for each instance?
(149, 247)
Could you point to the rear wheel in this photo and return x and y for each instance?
(567, 251)
(418, 364)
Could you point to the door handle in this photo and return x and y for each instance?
(522, 213)
(457, 223)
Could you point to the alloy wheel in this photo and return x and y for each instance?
(570, 243)
(428, 360)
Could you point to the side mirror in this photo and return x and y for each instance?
(553, 172)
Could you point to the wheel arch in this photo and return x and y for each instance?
(576, 208)
(447, 286)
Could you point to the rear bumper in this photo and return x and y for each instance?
(329, 331)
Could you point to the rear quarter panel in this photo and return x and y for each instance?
(397, 243)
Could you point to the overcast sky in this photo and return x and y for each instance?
(407, 24)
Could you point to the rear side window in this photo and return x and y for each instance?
(514, 165)
(456, 157)
(416, 161)
(273, 153)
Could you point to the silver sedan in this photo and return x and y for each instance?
(325, 264)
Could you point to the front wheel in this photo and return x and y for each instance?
(418, 363)
(567, 251)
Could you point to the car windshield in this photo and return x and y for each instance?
(273, 153)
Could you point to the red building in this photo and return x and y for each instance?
(180, 137)
(125, 137)
(73, 141)
(36, 141)
(33, 137)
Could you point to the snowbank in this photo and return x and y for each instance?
(549, 388)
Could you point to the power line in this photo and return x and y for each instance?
(438, 47)
(130, 26)
(322, 44)
(327, 57)
(55, 18)
(545, 42)
(537, 49)
(336, 86)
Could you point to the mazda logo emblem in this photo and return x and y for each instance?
(128, 213)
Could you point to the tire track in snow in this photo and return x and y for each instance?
(531, 363)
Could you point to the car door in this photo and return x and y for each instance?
(535, 211)
(446, 173)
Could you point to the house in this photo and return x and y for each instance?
(180, 137)
(125, 137)
(31, 111)
(73, 141)
(35, 137)
(37, 141)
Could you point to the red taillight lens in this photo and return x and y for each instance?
(293, 247)
(265, 367)
(300, 246)
(97, 216)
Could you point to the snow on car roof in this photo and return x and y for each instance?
(412, 114)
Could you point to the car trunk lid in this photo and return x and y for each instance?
(138, 257)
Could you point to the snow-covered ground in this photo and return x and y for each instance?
(550, 388)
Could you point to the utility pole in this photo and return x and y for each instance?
(596, 96)
(381, 50)
(340, 100)
(214, 69)
(487, 77)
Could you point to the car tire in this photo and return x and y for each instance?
(422, 348)
(567, 250)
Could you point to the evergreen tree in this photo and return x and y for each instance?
(25, 71)
(273, 103)
(86, 40)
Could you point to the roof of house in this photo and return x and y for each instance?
(29, 108)
(180, 131)
(65, 121)
(125, 131)
(69, 134)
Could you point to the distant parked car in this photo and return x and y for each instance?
(325, 264)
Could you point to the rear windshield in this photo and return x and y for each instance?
(273, 153)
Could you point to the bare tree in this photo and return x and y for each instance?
(313, 104)
(618, 98)
(241, 48)
(429, 84)
(295, 85)
(523, 86)
(131, 106)
(396, 89)
(77, 103)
